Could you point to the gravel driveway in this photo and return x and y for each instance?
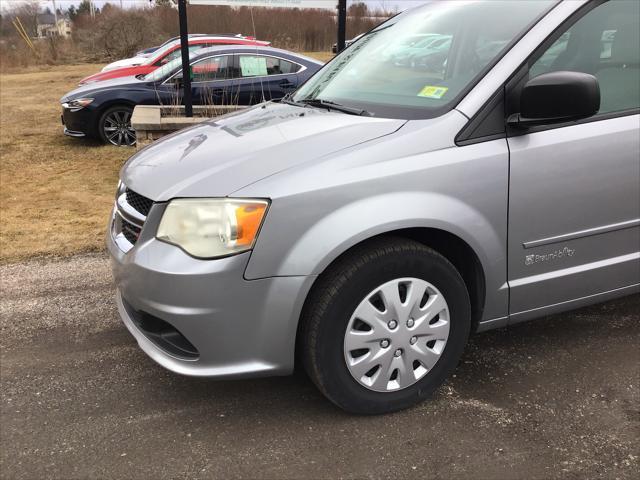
(554, 398)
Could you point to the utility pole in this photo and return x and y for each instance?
(55, 13)
(184, 46)
(342, 24)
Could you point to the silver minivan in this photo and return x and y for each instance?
(367, 224)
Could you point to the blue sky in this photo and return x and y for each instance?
(389, 4)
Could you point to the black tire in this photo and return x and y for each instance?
(336, 295)
(120, 111)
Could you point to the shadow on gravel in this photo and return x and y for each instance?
(496, 365)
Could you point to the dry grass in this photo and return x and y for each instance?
(55, 192)
(322, 56)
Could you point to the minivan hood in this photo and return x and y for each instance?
(96, 87)
(217, 157)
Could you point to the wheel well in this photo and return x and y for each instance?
(453, 248)
(111, 104)
(462, 256)
(104, 108)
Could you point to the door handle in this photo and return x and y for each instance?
(217, 91)
(287, 84)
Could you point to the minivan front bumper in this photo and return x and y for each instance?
(233, 327)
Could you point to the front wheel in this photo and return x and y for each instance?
(385, 326)
(115, 128)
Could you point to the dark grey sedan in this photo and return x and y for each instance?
(227, 75)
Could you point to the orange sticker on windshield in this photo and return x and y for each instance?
(433, 92)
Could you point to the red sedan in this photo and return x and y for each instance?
(166, 54)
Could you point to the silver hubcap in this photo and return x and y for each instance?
(117, 129)
(396, 334)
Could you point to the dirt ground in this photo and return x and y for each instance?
(554, 398)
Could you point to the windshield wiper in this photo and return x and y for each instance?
(329, 105)
(288, 100)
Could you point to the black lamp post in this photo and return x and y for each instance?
(184, 47)
(342, 24)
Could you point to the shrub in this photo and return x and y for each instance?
(115, 33)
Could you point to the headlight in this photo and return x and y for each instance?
(78, 103)
(209, 228)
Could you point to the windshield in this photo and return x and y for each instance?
(416, 64)
(164, 71)
(161, 52)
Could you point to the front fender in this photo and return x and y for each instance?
(414, 178)
(321, 241)
(341, 229)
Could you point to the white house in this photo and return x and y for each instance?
(48, 27)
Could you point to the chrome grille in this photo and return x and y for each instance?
(130, 213)
(138, 202)
(130, 231)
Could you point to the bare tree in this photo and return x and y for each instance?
(28, 13)
(117, 33)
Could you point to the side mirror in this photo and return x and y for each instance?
(557, 97)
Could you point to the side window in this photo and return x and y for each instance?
(277, 66)
(604, 43)
(260, 66)
(213, 68)
(544, 63)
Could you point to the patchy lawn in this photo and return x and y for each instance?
(55, 192)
